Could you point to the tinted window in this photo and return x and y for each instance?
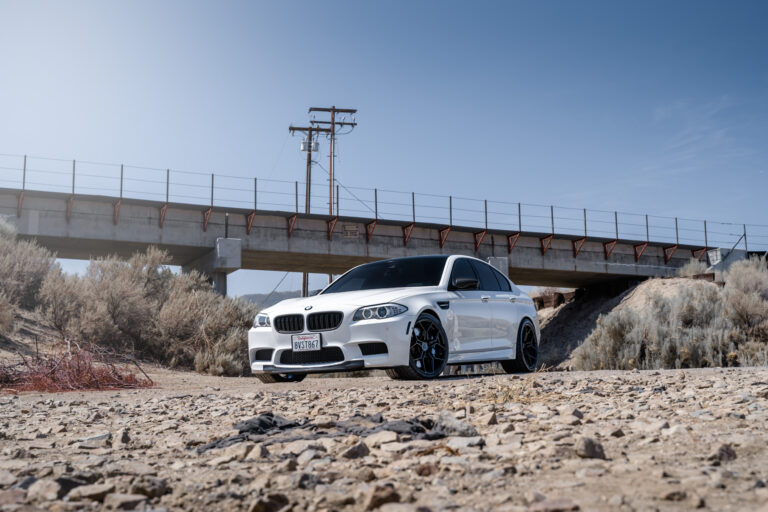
(462, 268)
(488, 281)
(398, 273)
(503, 282)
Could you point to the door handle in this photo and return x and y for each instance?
(485, 298)
(512, 299)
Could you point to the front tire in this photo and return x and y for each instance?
(273, 378)
(527, 354)
(428, 352)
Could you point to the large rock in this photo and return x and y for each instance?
(149, 486)
(377, 439)
(379, 495)
(356, 451)
(270, 503)
(50, 489)
(588, 448)
(93, 492)
(7, 478)
(45, 490)
(120, 501)
(12, 497)
(450, 426)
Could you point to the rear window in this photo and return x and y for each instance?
(488, 280)
(503, 283)
(397, 273)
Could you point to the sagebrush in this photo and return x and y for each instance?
(139, 306)
(701, 326)
(7, 316)
(136, 306)
(694, 267)
(23, 267)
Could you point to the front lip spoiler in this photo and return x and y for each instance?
(356, 364)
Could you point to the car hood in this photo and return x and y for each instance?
(345, 300)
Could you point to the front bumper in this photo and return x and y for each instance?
(345, 341)
(344, 366)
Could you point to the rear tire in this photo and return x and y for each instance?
(527, 354)
(273, 378)
(428, 352)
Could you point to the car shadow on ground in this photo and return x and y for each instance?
(471, 376)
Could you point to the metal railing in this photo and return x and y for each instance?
(227, 191)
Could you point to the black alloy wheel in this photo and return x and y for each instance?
(527, 354)
(428, 351)
(272, 378)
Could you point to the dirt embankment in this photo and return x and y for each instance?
(565, 327)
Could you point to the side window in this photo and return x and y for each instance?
(461, 268)
(503, 282)
(488, 281)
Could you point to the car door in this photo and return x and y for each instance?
(470, 330)
(507, 312)
(498, 293)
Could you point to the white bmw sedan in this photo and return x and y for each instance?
(411, 316)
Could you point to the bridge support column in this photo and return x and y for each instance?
(225, 258)
(220, 282)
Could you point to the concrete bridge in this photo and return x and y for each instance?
(219, 241)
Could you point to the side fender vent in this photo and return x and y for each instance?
(443, 304)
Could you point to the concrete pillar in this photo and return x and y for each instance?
(224, 259)
(220, 282)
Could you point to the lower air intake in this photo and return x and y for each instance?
(372, 349)
(264, 354)
(324, 355)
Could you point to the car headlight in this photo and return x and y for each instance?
(262, 320)
(379, 311)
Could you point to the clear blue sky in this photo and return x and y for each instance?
(657, 107)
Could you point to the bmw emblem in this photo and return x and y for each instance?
(307, 308)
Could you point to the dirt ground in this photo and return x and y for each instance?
(662, 440)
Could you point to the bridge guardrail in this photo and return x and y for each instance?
(221, 191)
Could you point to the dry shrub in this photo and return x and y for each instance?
(748, 276)
(7, 230)
(23, 267)
(61, 296)
(701, 326)
(79, 370)
(694, 267)
(7, 316)
(139, 306)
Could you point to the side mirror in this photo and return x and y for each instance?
(465, 283)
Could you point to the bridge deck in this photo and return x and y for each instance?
(86, 226)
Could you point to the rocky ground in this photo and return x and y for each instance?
(669, 440)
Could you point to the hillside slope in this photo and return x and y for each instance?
(566, 327)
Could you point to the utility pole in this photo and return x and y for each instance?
(310, 131)
(333, 123)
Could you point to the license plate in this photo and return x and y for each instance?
(305, 342)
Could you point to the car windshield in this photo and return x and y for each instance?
(397, 273)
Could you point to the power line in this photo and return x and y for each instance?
(345, 188)
(276, 287)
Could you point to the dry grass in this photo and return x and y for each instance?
(700, 326)
(76, 371)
